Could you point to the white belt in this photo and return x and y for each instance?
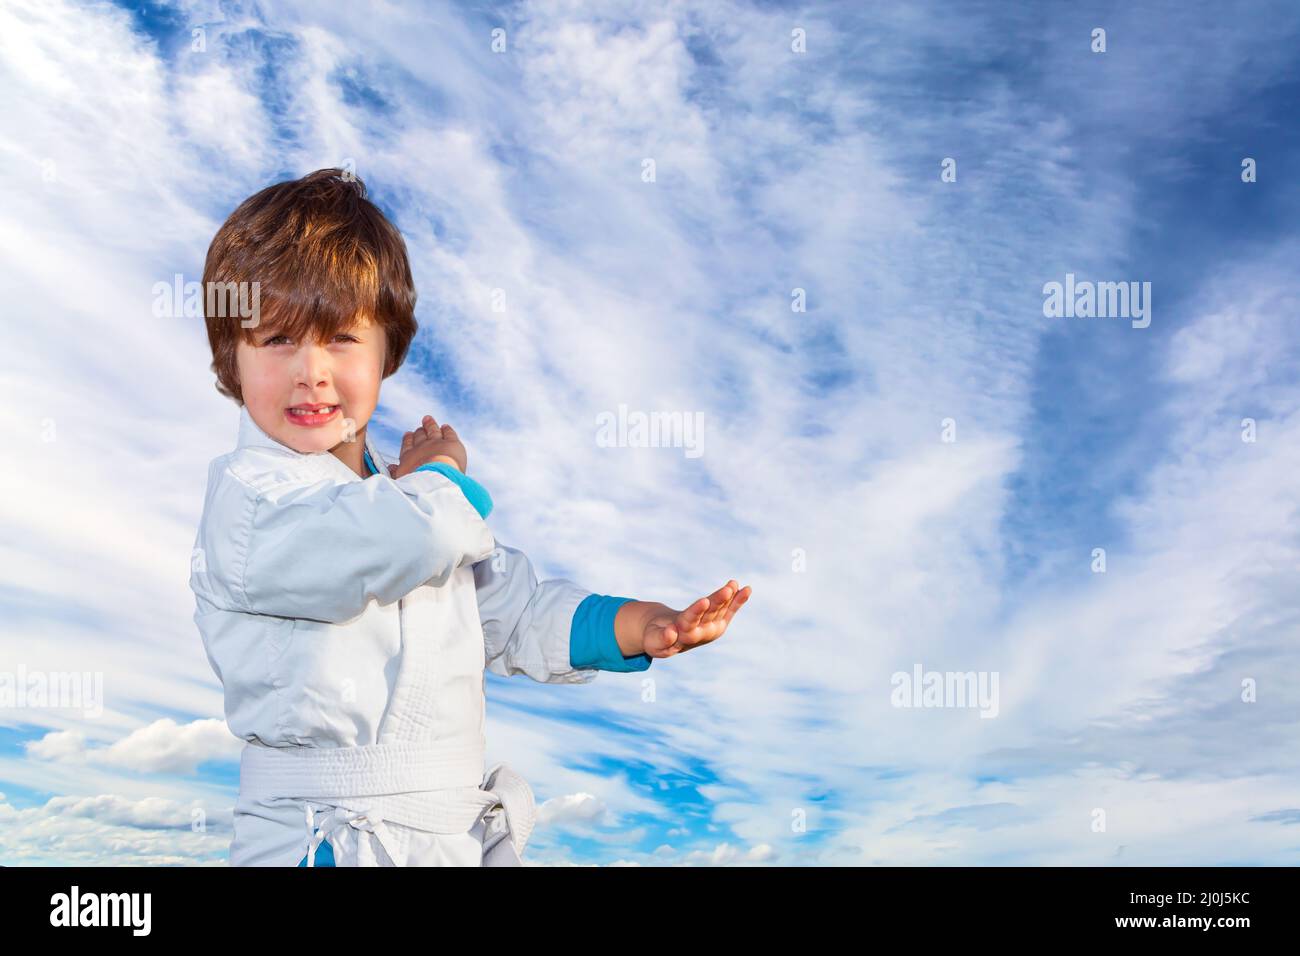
(362, 819)
(378, 783)
(519, 810)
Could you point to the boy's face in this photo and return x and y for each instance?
(277, 375)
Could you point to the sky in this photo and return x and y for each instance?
(824, 229)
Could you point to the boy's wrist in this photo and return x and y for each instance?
(446, 460)
(630, 624)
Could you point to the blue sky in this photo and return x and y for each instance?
(872, 544)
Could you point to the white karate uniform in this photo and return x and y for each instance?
(350, 621)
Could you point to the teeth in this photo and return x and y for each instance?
(311, 411)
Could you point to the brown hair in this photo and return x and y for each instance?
(323, 256)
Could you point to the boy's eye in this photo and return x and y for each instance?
(276, 339)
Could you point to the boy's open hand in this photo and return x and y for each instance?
(429, 442)
(704, 621)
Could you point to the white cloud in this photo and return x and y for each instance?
(108, 830)
(580, 808)
(161, 747)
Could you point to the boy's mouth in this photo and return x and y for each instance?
(311, 415)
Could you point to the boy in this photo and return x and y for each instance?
(348, 604)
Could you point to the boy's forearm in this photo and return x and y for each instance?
(630, 624)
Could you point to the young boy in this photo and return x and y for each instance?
(348, 604)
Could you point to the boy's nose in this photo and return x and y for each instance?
(313, 366)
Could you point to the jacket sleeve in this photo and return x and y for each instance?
(324, 551)
(527, 624)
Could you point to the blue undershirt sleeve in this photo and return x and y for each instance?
(591, 636)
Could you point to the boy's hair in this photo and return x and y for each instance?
(323, 256)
